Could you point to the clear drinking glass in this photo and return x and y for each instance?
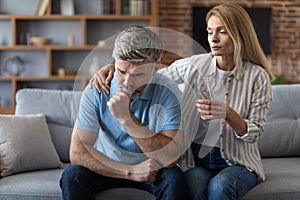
(203, 90)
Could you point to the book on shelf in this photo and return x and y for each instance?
(125, 10)
(128, 7)
(42, 7)
(107, 7)
(139, 7)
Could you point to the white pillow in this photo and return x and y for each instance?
(25, 144)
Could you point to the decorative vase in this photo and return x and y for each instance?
(14, 65)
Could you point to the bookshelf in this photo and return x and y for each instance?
(86, 27)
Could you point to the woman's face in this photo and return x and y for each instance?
(218, 38)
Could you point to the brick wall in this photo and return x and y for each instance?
(285, 58)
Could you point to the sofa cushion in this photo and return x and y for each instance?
(282, 129)
(61, 136)
(44, 184)
(282, 180)
(60, 108)
(25, 144)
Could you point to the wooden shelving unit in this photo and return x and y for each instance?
(42, 62)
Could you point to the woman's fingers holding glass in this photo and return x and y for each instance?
(211, 109)
(204, 108)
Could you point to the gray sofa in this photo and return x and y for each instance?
(280, 148)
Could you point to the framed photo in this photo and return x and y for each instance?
(67, 7)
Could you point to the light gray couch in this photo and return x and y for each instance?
(280, 148)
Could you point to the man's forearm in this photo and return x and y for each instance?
(82, 152)
(165, 148)
(94, 160)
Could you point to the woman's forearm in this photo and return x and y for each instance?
(236, 122)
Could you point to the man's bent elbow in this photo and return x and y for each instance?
(74, 158)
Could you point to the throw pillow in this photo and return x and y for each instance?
(25, 144)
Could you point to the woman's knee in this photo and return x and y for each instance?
(233, 182)
(219, 185)
(197, 180)
(197, 176)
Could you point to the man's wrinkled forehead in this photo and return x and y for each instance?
(132, 66)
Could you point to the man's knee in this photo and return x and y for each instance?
(72, 173)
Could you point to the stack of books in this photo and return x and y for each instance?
(139, 7)
(128, 7)
(107, 7)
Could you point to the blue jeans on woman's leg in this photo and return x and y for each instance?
(231, 183)
(78, 182)
(213, 179)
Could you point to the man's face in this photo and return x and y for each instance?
(133, 78)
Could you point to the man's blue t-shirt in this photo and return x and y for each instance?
(158, 108)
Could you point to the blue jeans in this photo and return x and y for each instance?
(212, 178)
(78, 182)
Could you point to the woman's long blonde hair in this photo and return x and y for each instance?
(240, 28)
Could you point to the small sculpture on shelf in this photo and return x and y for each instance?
(62, 72)
(14, 65)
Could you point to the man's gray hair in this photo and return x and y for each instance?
(137, 44)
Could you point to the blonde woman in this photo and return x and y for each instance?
(236, 68)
